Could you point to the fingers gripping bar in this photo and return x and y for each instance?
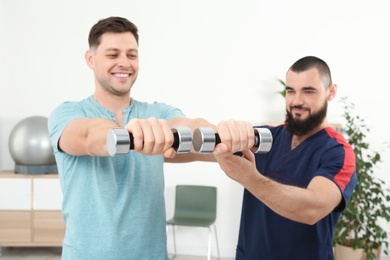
(205, 140)
(120, 141)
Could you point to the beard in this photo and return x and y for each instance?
(297, 126)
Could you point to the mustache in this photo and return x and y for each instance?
(298, 107)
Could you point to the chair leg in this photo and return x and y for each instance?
(174, 241)
(209, 245)
(216, 239)
(209, 242)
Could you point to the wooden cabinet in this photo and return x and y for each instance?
(30, 210)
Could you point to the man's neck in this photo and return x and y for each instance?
(112, 102)
(115, 104)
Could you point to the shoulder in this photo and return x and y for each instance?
(73, 104)
(84, 105)
(65, 112)
(338, 138)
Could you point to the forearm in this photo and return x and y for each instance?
(86, 137)
(284, 200)
(304, 205)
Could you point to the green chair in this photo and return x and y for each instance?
(195, 206)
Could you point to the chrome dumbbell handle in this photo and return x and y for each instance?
(205, 140)
(120, 141)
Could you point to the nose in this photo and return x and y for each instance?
(124, 62)
(296, 99)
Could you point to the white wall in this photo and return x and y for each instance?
(216, 59)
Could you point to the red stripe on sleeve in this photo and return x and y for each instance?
(343, 177)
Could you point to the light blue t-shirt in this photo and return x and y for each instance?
(113, 207)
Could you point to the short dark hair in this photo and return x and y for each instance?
(310, 62)
(111, 24)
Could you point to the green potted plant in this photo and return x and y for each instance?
(359, 226)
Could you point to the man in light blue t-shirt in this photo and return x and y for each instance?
(113, 207)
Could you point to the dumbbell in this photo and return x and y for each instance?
(120, 141)
(205, 140)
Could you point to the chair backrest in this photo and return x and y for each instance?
(194, 201)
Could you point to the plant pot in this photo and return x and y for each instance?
(348, 253)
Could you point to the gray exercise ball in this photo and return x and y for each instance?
(29, 142)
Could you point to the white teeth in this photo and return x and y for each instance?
(121, 75)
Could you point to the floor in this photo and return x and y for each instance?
(54, 253)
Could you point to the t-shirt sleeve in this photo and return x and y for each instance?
(339, 166)
(59, 118)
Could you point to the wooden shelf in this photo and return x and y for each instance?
(29, 216)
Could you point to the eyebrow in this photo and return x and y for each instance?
(309, 88)
(304, 88)
(116, 49)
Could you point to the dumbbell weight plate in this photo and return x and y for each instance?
(182, 139)
(263, 142)
(119, 141)
(204, 140)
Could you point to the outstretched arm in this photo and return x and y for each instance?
(305, 205)
(89, 136)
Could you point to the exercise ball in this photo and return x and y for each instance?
(30, 147)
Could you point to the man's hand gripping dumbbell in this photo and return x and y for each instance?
(205, 140)
(120, 141)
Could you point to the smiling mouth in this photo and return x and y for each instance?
(299, 110)
(121, 75)
(296, 108)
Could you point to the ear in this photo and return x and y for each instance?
(332, 91)
(89, 59)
